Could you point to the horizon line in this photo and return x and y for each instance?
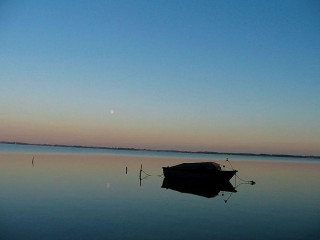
(166, 150)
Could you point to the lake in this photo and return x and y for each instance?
(73, 193)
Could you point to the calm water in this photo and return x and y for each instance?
(86, 194)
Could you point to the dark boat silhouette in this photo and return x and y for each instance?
(208, 189)
(202, 171)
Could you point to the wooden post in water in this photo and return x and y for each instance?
(140, 174)
(126, 170)
(140, 170)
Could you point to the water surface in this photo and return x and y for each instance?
(88, 195)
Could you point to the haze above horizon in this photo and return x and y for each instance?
(223, 76)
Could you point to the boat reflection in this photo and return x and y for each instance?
(208, 189)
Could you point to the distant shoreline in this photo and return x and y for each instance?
(172, 151)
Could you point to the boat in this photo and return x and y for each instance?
(201, 171)
(203, 188)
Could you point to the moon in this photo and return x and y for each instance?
(112, 111)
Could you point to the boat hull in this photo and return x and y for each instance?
(200, 175)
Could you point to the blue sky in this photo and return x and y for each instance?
(194, 75)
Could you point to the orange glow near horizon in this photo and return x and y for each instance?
(158, 137)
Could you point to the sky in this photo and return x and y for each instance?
(232, 76)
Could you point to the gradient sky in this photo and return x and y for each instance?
(236, 76)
